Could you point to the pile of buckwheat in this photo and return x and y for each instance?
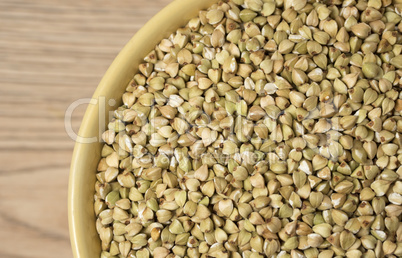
(263, 128)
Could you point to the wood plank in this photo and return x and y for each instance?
(52, 52)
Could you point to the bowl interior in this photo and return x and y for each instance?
(84, 238)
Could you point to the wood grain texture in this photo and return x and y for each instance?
(52, 52)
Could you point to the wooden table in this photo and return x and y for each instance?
(52, 53)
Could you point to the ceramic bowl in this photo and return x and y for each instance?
(85, 241)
